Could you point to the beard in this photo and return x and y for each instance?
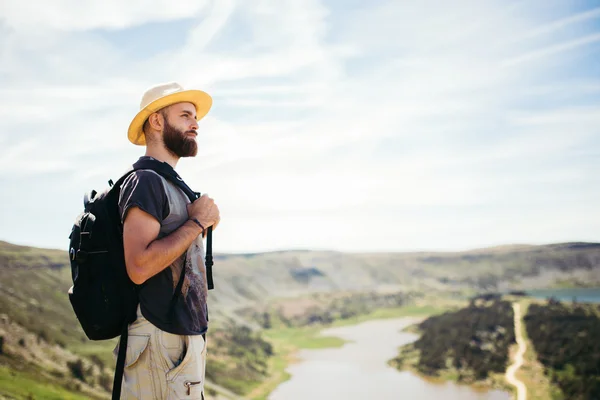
(178, 143)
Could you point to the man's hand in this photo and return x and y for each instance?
(205, 210)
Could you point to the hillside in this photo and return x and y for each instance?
(566, 339)
(244, 280)
(40, 337)
(472, 345)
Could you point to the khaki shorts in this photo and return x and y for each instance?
(162, 366)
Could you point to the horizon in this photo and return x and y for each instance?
(353, 127)
(507, 247)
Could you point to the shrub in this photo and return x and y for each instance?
(96, 360)
(76, 368)
(42, 336)
(106, 381)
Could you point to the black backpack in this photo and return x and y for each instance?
(103, 297)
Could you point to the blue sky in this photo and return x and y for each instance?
(343, 125)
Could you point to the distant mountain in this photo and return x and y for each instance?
(284, 274)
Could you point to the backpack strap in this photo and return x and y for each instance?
(120, 367)
(167, 172)
(85, 234)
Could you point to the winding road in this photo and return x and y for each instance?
(511, 371)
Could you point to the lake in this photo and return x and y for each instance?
(359, 369)
(584, 295)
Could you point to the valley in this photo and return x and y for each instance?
(266, 307)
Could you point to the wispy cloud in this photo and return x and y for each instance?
(72, 15)
(389, 125)
(553, 50)
(562, 23)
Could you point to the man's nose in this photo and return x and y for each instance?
(194, 125)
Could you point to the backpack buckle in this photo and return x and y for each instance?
(81, 256)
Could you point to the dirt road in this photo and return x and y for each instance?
(511, 371)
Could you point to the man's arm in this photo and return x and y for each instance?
(145, 255)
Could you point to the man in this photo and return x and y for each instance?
(162, 234)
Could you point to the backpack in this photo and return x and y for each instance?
(103, 297)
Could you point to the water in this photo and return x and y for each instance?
(582, 295)
(358, 370)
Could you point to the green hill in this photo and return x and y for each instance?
(566, 337)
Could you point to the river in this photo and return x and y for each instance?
(359, 370)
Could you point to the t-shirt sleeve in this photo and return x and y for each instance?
(145, 190)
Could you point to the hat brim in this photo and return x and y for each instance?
(201, 100)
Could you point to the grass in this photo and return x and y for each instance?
(19, 385)
(101, 349)
(421, 310)
(303, 338)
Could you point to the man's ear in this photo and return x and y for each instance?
(156, 121)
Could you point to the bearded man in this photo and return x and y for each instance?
(162, 236)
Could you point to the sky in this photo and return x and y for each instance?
(358, 126)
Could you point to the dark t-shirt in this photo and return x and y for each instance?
(168, 205)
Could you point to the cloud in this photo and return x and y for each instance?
(552, 50)
(383, 126)
(562, 23)
(73, 15)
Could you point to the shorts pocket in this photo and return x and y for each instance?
(186, 381)
(137, 376)
(173, 349)
(136, 344)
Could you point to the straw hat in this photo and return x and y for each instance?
(161, 96)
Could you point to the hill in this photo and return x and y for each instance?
(565, 337)
(293, 273)
(40, 337)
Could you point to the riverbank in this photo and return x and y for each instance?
(469, 347)
(409, 357)
(287, 342)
